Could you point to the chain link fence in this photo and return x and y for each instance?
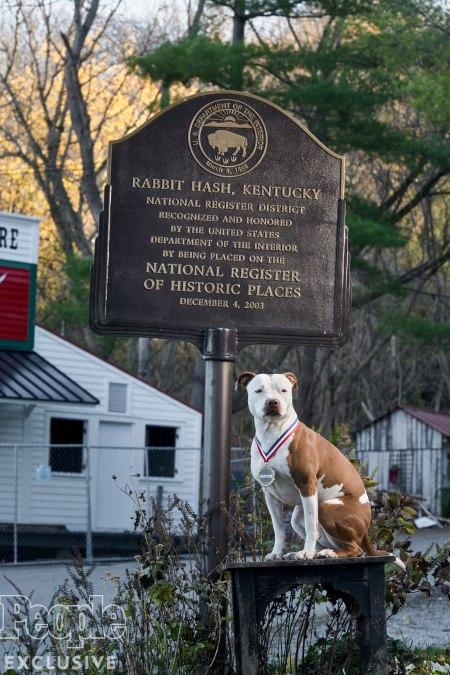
(56, 499)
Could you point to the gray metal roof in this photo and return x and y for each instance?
(438, 421)
(27, 376)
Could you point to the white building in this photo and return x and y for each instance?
(409, 449)
(60, 394)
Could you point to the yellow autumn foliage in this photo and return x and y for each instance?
(118, 101)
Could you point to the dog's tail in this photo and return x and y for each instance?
(370, 550)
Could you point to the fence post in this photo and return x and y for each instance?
(159, 495)
(147, 482)
(16, 503)
(89, 556)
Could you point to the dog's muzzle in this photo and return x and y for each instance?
(272, 407)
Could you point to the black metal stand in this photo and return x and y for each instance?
(219, 352)
(358, 581)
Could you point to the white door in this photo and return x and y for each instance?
(113, 508)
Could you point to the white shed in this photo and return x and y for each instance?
(61, 395)
(410, 451)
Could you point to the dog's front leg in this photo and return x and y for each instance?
(311, 510)
(310, 504)
(275, 508)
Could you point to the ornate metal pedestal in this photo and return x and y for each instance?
(358, 581)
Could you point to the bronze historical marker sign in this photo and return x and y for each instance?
(223, 211)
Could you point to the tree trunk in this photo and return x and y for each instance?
(237, 39)
(198, 384)
(306, 377)
(142, 357)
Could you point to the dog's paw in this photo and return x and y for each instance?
(305, 555)
(300, 555)
(290, 556)
(273, 556)
(327, 553)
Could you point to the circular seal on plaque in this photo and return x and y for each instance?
(227, 137)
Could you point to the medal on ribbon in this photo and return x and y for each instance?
(266, 455)
(266, 476)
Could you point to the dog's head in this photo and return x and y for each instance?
(269, 396)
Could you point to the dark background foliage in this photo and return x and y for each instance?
(370, 79)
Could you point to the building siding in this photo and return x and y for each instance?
(62, 498)
(11, 432)
(399, 439)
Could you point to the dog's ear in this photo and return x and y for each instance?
(244, 379)
(292, 379)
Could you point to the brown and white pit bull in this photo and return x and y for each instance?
(299, 468)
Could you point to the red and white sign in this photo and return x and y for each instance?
(19, 247)
(14, 303)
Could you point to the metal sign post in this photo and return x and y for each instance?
(220, 351)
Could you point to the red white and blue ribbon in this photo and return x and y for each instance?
(292, 428)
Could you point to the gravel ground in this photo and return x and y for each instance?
(431, 535)
(421, 622)
(424, 621)
(42, 580)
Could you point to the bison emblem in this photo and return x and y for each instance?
(223, 140)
